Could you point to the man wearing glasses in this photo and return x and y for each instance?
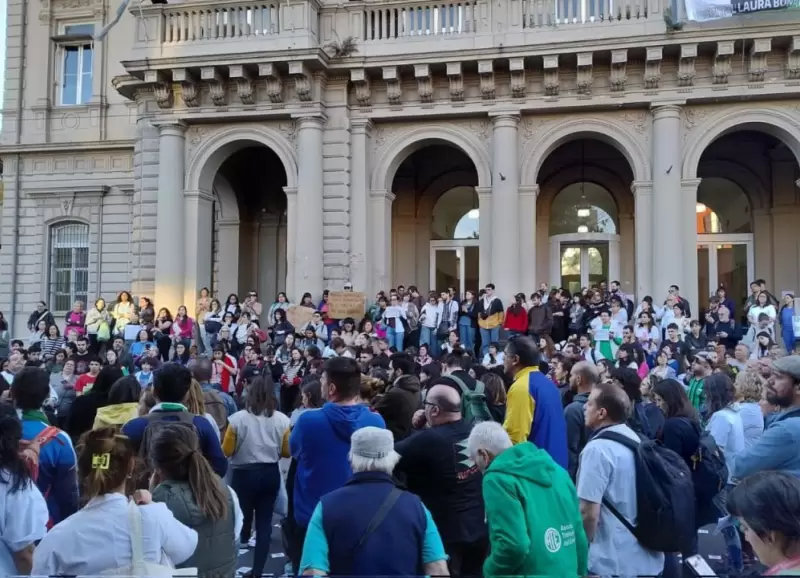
(674, 290)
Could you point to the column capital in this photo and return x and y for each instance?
(200, 195)
(170, 127)
(690, 184)
(483, 191)
(505, 118)
(315, 120)
(382, 194)
(670, 109)
(528, 190)
(227, 223)
(290, 191)
(361, 126)
(642, 187)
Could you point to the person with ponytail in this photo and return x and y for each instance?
(99, 538)
(18, 494)
(184, 481)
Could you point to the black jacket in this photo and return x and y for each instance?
(397, 407)
(577, 432)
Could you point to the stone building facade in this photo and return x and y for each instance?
(296, 146)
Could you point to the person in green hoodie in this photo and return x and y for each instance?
(535, 525)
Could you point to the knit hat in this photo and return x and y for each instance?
(790, 365)
(372, 443)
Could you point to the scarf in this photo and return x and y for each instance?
(35, 415)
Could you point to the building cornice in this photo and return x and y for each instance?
(68, 147)
(68, 190)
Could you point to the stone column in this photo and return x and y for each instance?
(169, 224)
(484, 235)
(360, 137)
(627, 239)
(381, 216)
(554, 264)
(762, 246)
(308, 243)
(688, 220)
(292, 290)
(527, 236)
(198, 219)
(614, 259)
(667, 201)
(228, 257)
(643, 207)
(505, 205)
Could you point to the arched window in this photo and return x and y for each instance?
(722, 207)
(456, 215)
(583, 208)
(69, 264)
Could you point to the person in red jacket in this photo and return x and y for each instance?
(516, 322)
(87, 379)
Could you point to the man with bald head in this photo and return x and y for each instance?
(582, 378)
(438, 468)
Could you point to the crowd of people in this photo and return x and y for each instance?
(447, 435)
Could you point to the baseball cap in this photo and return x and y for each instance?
(790, 365)
(372, 443)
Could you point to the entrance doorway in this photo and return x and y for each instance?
(724, 260)
(583, 259)
(454, 264)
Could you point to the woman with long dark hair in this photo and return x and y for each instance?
(27, 524)
(162, 332)
(253, 442)
(184, 481)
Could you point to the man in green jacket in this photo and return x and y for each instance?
(535, 525)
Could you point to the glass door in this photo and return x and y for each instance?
(725, 260)
(583, 265)
(454, 264)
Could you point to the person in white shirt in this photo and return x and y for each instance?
(605, 472)
(23, 521)
(749, 386)
(763, 306)
(429, 320)
(99, 538)
(393, 317)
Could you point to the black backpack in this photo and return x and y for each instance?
(710, 475)
(665, 502)
(158, 419)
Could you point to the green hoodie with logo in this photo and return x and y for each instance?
(535, 525)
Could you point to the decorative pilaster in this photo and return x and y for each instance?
(667, 198)
(198, 223)
(360, 249)
(585, 73)
(394, 90)
(688, 237)
(292, 290)
(793, 59)
(551, 75)
(456, 78)
(722, 62)
(643, 202)
(516, 67)
(360, 79)
(759, 52)
(505, 203)
(170, 258)
(527, 235)
(422, 72)
(652, 68)
(619, 70)
(381, 217)
(484, 235)
(308, 246)
(486, 74)
(686, 69)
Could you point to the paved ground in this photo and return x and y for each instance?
(276, 560)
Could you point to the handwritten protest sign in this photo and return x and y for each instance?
(299, 316)
(343, 304)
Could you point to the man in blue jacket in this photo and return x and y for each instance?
(170, 386)
(777, 448)
(58, 478)
(320, 440)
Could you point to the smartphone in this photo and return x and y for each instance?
(699, 566)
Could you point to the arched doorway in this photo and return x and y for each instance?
(250, 251)
(435, 218)
(585, 219)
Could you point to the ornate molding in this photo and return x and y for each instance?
(302, 81)
(516, 67)
(456, 78)
(619, 65)
(422, 72)
(793, 59)
(722, 62)
(274, 82)
(360, 79)
(686, 70)
(190, 91)
(551, 75)
(217, 87)
(394, 90)
(289, 131)
(486, 73)
(162, 89)
(585, 73)
(759, 52)
(245, 87)
(652, 67)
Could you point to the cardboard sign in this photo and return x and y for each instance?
(344, 304)
(299, 316)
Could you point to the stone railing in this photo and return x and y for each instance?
(384, 28)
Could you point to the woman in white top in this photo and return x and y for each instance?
(725, 426)
(253, 443)
(214, 315)
(493, 357)
(25, 512)
(646, 332)
(762, 306)
(393, 317)
(749, 387)
(429, 319)
(98, 538)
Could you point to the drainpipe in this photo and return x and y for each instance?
(18, 168)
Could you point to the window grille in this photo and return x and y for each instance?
(69, 265)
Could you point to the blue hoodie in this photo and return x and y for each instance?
(320, 442)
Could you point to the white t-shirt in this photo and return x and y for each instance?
(606, 470)
(725, 426)
(752, 422)
(23, 521)
(258, 437)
